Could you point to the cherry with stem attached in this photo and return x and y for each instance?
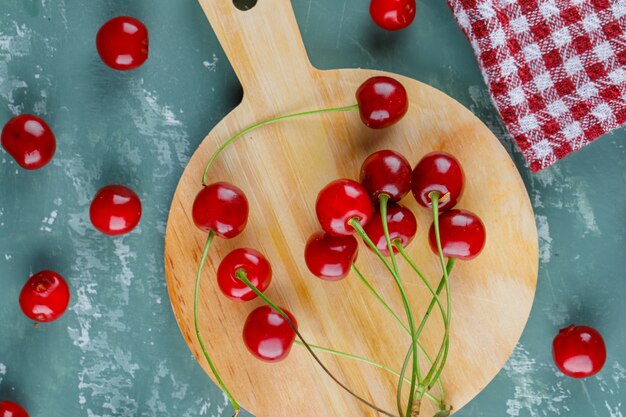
(221, 209)
(241, 274)
(381, 102)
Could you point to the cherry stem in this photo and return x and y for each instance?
(435, 295)
(443, 351)
(384, 199)
(243, 277)
(196, 320)
(265, 123)
(364, 360)
(354, 222)
(397, 319)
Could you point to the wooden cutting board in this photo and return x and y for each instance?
(281, 168)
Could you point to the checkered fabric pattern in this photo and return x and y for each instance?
(556, 69)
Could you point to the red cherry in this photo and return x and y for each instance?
(438, 171)
(386, 172)
(392, 14)
(257, 268)
(579, 351)
(267, 335)
(330, 257)
(462, 235)
(115, 210)
(338, 203)
(11, 409)
(45, 297)
(29, 140)
(382, 102)
(222, 208)
(401, 223)
(122, 43)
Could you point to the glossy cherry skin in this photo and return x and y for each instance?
(339, 202)
(386, 172)
(29, 140)
(222, 208)
(392, 14)
(122, 43)
(438, 171)
(462, 235)
(579, 351)
(45, 297)
(257, 268)
(267, 335)
(401, 223)
(382, 102)
(330, 257)
(115, 210)
(11, 409)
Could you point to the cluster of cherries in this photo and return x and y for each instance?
(122, 43)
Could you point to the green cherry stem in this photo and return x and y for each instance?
(396, 318)
(205, 253)
(243, 277)
(361, 359)
(356, 225)
(443, 351)
(400, 248)
(380, 299)
(265, 123)
(384, 199)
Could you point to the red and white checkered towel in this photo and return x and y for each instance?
(556, 69)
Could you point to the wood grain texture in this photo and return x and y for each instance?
(281, 168)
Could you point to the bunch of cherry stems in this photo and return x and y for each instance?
(419, 386)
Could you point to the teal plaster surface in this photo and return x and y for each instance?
(118, 351)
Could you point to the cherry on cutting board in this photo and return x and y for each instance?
(579, 351)
(256, 267)
(386, 172)
(401, 224)
(330, 257)
(45, 297)
(339, 202)
(115, 210)
(222, 208)
(29, 140)
(267, 335)
(392, 14)
(462, 235)
(382, 101)
(122, 43)
(438, 171)
(11, 409)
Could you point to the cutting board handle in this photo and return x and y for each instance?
(264, 47)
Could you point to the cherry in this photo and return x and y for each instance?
(441, 172)
(386, 172)
(462, 235)
(122, 43)
(267, 335)
(256, 267)
(382, 102)
(115, 210)
(392, 14)
(330, 257)
(338, 203)
(222, 208)
(579, 351)
(45, 297)
(11, 409)
(401, 224)
(29, 140)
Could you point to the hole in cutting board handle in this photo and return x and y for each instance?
(244, 4)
